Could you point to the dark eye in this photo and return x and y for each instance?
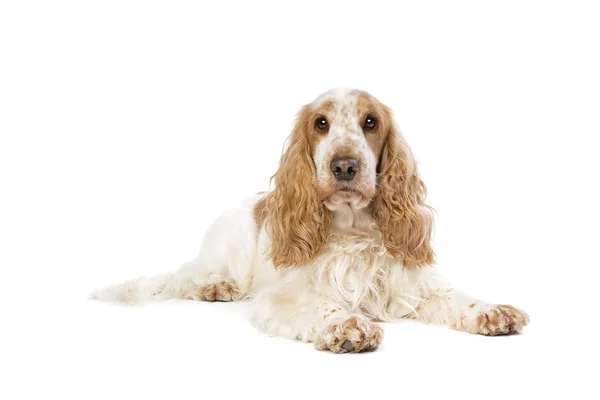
(370, 123)
(321, 124)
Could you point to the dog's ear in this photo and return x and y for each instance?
(296, 219)
(399, 208)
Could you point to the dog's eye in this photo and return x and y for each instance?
(370, 123)
(321, 124)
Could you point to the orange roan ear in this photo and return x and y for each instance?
(296, 218)
(399, 208)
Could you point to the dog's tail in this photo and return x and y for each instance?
(145, 289)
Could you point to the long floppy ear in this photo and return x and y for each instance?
(399, 208)
(296, 219)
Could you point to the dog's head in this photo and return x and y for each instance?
(346, 148)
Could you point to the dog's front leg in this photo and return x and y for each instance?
(296, 312)
(431, 299)
(464, 313)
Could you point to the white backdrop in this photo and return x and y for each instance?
(128, 126)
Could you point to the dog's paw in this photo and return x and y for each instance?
(222, 291)
(352, 335)
(493, 320)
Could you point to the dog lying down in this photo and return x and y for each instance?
(341, 242)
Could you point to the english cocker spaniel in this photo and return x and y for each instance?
(342, 241)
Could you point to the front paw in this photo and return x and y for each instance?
(352, 335)
(493, 320)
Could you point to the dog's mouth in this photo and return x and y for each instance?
(346, 194)
(337, 193)
(351, 189)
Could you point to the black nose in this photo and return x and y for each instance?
(344, 169)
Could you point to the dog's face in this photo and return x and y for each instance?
(346, 149)
(346, 130)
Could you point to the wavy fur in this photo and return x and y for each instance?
(297, 220)
(399, 208)
(352, 245)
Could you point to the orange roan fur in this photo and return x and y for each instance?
(299, 223)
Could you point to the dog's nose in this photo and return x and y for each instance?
(344, 169)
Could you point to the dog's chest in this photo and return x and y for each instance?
(355, 271)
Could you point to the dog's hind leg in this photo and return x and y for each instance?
(219, 273)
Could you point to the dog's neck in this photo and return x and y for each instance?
(347, 218)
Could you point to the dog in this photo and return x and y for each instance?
(340, 243)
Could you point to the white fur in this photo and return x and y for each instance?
(353, 275)
(344, 131)
(353, 279)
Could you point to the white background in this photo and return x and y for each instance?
(128, 126)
